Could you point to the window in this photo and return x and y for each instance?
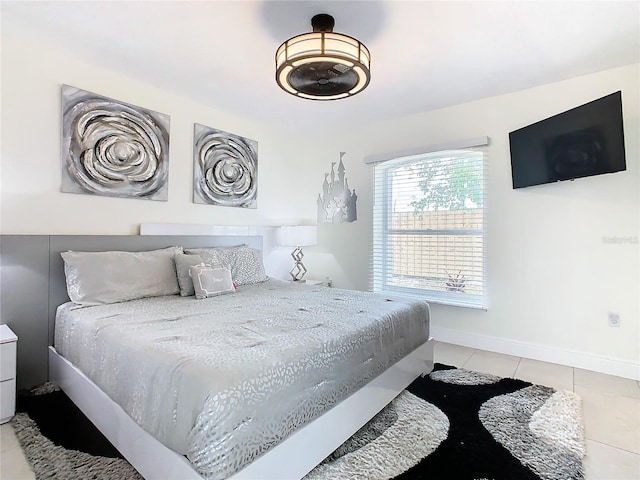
(428, 225)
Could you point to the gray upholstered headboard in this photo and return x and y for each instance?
(33, 284)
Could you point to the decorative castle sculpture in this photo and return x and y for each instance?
(337, 203)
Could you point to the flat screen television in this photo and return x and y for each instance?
(581, 142)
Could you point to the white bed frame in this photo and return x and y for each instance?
(31, 313)
(291, 459)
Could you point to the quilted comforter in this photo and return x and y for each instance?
(222, 380)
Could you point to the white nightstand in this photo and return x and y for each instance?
(8, 349)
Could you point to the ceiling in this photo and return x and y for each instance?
(425, 54)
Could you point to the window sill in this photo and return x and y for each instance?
(432, 301)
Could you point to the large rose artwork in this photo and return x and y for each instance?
(112, 148)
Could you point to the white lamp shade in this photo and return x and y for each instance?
(299, 236)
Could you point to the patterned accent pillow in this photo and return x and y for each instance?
(211, 281)
(211, 255)
(245, 262)
(96, 278)
(183, 262)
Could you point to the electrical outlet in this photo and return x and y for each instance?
(614, 319)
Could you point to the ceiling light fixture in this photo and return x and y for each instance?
(323, 65)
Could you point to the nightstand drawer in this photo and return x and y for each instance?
(8, 349)
(7, 361)
(7, 400)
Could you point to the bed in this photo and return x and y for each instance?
(372, 373)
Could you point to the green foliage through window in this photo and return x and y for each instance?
(444, 188)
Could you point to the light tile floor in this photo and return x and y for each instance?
(611, 411)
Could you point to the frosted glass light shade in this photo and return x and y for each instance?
(299, 236)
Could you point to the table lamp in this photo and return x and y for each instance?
(298, 236)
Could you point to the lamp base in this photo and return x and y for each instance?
(299, 270)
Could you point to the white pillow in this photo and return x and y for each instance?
(96, 278)
(211, 281)
(183, 262)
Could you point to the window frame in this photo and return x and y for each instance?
(382, 230)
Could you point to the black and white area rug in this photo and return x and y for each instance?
(452, 424)
(61, 443)
(458, 424)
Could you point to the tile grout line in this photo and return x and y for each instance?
(517, 367)
(470, 357)
(611, 446)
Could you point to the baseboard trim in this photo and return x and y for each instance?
(544, 353)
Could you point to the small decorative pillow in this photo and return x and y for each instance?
(183, 262)
(245, 262)
(96, 278)
(211, 281)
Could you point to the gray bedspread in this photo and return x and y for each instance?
(224, 379)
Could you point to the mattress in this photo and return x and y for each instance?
(222, 380)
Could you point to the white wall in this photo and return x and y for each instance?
(552, 280)
(32, 203)
(551, 277)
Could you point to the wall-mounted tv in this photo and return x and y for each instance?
(581, 142)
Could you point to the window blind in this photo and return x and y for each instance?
(429, 218)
